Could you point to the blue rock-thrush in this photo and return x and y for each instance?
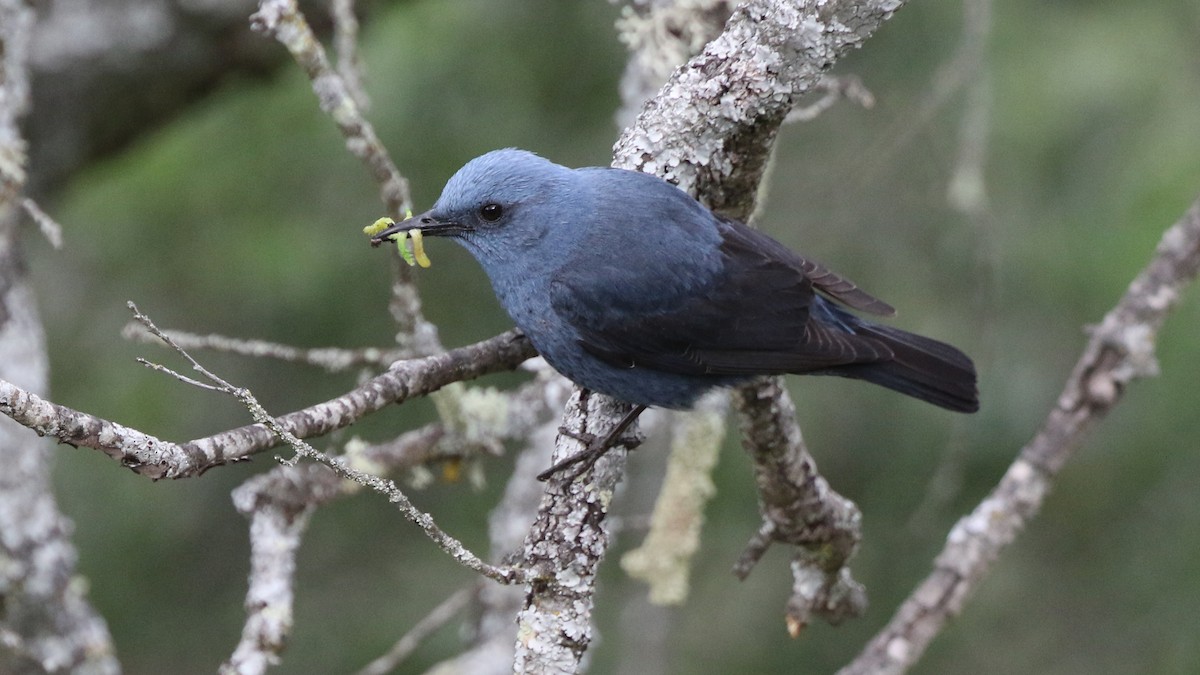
(630, 287)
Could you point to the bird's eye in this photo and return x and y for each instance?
(491, 212)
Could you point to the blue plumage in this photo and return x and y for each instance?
(629, 287)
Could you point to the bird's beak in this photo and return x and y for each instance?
(427, 224)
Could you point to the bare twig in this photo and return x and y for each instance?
(282, 20)
(50, 228)
(387, 488)
(1121, 350)
(439, 616)
(332, 359)
(967, 190)
(848, 87)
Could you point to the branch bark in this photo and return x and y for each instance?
(154, 458)
(46, 622)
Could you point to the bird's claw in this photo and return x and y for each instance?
(595, 447)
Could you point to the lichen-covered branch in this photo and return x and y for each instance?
(566, 543)
(156, 458)
(278, 516)
(492, 648)
(665, 556)
(711, 128)
(798, 508)
(1121, 350)
(46, 622)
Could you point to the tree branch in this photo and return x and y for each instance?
(155, 458)
(283, 21)
(46, 622)
(566, 543)
(1121, 350)
(331, 359)
(798, 508)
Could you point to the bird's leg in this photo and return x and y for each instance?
(596, 447)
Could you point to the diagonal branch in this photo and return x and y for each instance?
(1121, 350)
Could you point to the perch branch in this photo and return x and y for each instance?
(155, 458)
(387, 488)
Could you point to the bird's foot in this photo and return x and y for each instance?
(595, 448)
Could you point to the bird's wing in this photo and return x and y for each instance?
(826, 281)
(749, 314)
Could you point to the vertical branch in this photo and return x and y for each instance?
(799, 508)
(566, 543)
(46, 623)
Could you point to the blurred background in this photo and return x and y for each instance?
(239, 212)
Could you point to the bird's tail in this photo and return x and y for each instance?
(922, 367)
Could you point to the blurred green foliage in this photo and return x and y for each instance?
(243, 217)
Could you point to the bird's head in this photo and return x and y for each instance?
(497, 205)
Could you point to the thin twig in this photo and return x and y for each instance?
(837, 88)
(386, 487)
(439, 616)
(179, 376)
(283, 21)
(51, 230)
(332, 359)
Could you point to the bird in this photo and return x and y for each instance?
(630, 287)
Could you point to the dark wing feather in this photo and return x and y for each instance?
(751, 316)
(823, 279)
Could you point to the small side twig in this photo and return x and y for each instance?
(51, 230)
(798, 508)
(439, 616)
(836, 88)
(332, 359)
(388, 488)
